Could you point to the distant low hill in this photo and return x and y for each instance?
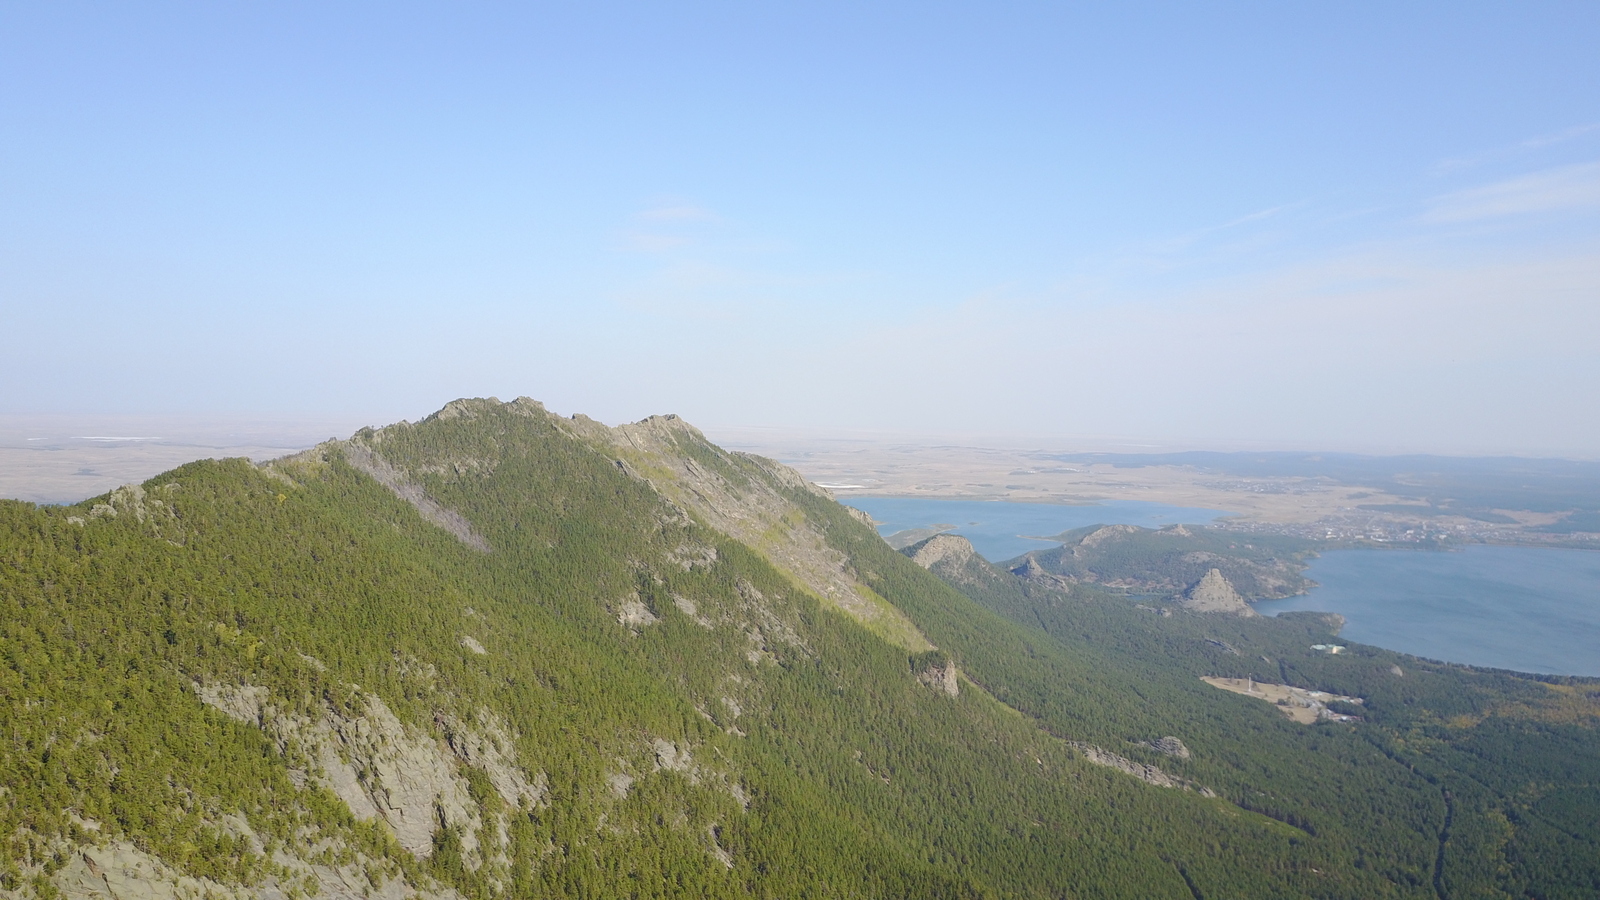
(1474, 487)
(1173, 559)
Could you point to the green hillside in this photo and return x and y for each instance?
(1493, 775)
(1168, 560)
(501, 653)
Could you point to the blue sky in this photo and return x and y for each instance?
(1371, 226)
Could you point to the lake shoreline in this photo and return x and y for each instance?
(1525, 609)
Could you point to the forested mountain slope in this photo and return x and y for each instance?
(1497, 772)
(505, 653)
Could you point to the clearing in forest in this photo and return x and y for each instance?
(1299, 704)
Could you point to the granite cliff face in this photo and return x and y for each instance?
(946, 548)
(120, 870)
(411, 780)
(1213, 594)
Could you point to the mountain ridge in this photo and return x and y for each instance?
(301, 678)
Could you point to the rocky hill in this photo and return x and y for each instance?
(503, 653)
(1213, 594)
(1170, 560)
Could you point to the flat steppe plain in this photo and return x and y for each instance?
(64, 459)
(1318, 508)
(953, 472)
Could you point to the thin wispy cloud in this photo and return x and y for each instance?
(1185, 240)
(1552, 190)
(1537, 142)
(1558, 137)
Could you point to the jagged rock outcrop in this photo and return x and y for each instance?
(861, 516)
(486, 745)
(1171, 746)
(938, 671)
(385, 770)
(118, 870)
(1031, 571)
(1101, 535)
(743, 496)
(1146, 773)
(147, 507)
(941, 677)
(1213, 594)
(693, 557)
(671, 757)
(633, 614)
(953, 548)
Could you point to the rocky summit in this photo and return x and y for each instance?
(1213, 594)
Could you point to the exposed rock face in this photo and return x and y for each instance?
(938, 671)
(692, 609)
(1100, 536)
(1171, 746)
(130, 498)
(152, 507)
(1147, 774)
(672, 758)
(693, 557)
(941, 677)
(1213, 594)
(746, 497)
(118, 870)
(942, 547)
(862, 517)
(632, 613)
(367, 459)
(383, 769)
(487, 746)
(1030, 570)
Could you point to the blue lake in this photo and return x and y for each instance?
(1531, 609)
(1000, 530)
(1526, 608)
